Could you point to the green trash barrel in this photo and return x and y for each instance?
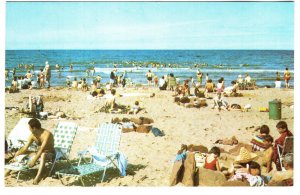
(275, 109)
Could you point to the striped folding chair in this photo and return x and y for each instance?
(288, 147)
(103, 155)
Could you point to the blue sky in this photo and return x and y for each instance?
(149, 25)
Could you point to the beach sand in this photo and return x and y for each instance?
(151, 158)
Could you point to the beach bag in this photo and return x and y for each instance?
(156, 132)
(143, 129)
(236, 106)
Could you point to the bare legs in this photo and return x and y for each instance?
(40, 170)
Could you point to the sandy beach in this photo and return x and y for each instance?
(150, 158)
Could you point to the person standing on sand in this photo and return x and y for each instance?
(14, 72)
(199, 78)
(206, 78)
(93, 70)
(149, 78)
(287, 77)
(42, 79)
(48, 73)
(46, 151)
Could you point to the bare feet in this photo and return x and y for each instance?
(36, 181)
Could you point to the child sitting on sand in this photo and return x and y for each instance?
(258, 140)
(220, 103)
(84, 85)
(135, 109)
(211, 160)
(252, 173)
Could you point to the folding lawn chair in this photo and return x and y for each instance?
(288, 147)
(103, 155)
(16, 139)
(19, 135)
(64, 134)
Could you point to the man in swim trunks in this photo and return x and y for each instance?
(287, 77)
(46, 151)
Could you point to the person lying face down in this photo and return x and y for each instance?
(46, 151)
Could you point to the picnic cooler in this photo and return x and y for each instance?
(275, 109)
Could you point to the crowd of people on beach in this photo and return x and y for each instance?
(245, 167)
(246, 170)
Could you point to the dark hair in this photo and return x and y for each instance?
(254, 165)
(282, 125)
(215, 150)
(94, 93)
(171, 74)
(233, 82)
(34, 123)
(264, 129)
(220, 80)
(41, 69)
(136, 103)
(286, 68)
(15, 78)
(113, 91)
(269, 138)
(102, 91)
(162, 77)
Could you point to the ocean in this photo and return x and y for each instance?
(261, 65)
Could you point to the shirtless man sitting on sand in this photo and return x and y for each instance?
(46, 151)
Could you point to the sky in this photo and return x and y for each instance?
(149, 25)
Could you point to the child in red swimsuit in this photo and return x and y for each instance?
(211, 161)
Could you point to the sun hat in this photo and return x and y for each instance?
(245, 156)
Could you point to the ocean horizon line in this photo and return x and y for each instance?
(151, 49)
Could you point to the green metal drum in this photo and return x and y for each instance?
(275, 109)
